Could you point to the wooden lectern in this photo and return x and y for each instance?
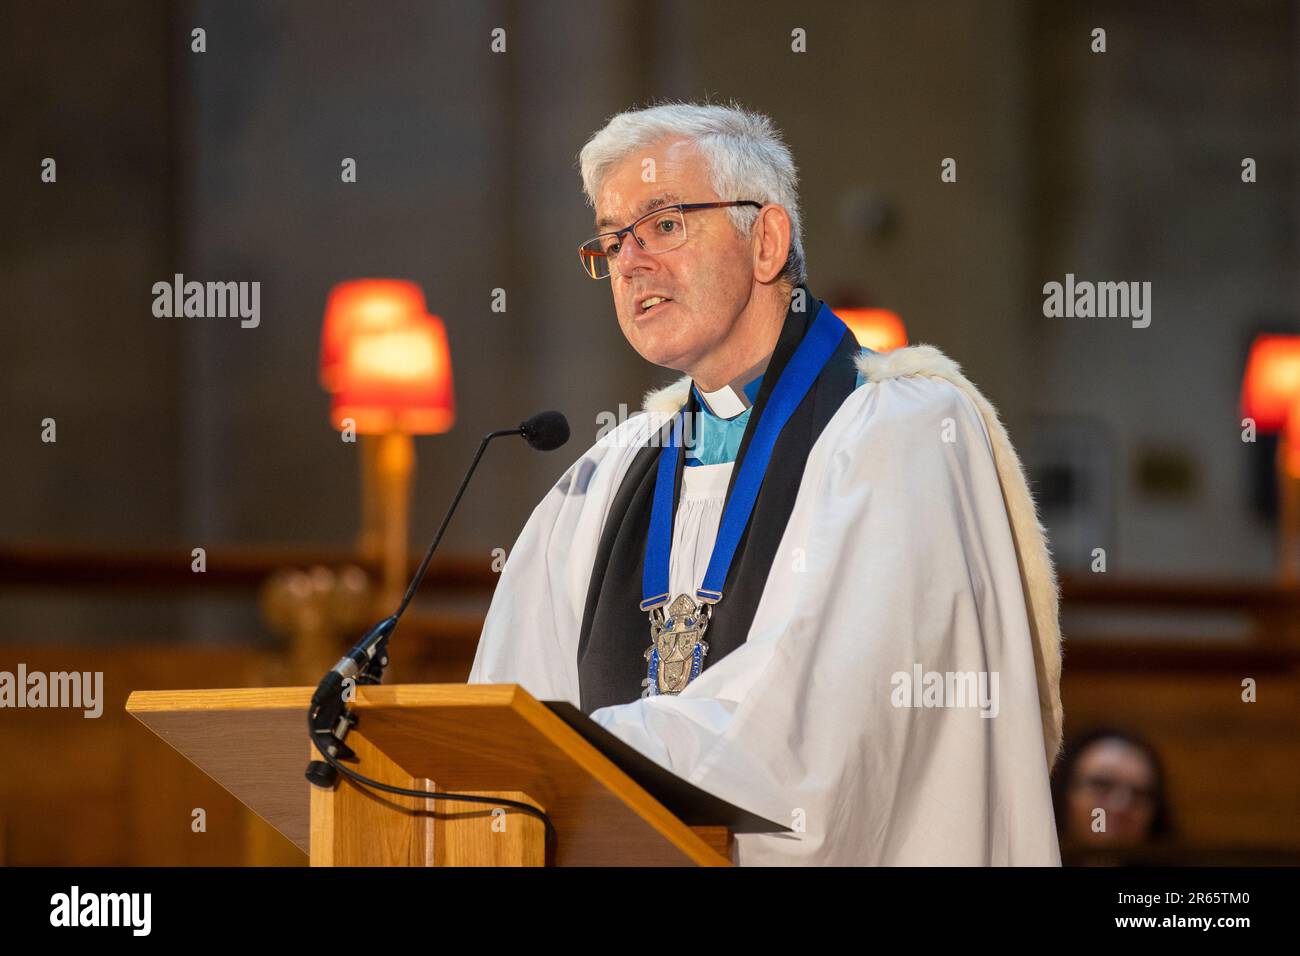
(495, 740)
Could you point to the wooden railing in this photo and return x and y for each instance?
(97, 566)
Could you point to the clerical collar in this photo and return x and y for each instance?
(736, 396)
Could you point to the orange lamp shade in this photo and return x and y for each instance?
(877, 329)
(396, 379)
(363, 305)
(1271, 385)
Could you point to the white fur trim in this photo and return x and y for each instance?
(1037, 575)
(669, 398)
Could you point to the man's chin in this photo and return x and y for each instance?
(664, 358)
(658, 353)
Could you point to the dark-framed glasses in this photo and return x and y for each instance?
(657, 232)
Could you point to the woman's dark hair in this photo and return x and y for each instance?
(1063, 778)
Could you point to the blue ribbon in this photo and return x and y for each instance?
(796, 379)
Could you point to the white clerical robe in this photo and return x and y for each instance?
(912, 566)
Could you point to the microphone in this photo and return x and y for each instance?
(546, 431)
(366, 661)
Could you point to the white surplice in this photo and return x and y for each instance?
(913, 549)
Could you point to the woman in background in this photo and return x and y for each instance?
(1109, 797)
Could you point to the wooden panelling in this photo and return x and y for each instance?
(105, 791)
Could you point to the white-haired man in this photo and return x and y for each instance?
(809, 578)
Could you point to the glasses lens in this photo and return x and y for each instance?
(662, 231)
(594, 260)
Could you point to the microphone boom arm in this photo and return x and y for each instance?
(329, 718)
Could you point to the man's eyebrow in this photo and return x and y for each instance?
(655, 203)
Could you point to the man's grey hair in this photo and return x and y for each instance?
(746, 156)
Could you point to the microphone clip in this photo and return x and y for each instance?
(330, 716)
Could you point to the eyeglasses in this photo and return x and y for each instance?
(664, 230)
(1107, 788)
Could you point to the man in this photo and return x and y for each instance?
(809, 578)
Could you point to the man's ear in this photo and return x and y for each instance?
(770, 241)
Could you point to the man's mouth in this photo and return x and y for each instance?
(652, 305)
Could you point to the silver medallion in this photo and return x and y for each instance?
(677, 646)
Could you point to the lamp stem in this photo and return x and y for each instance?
(395, 464)
(1288, 490)
(370, 542)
